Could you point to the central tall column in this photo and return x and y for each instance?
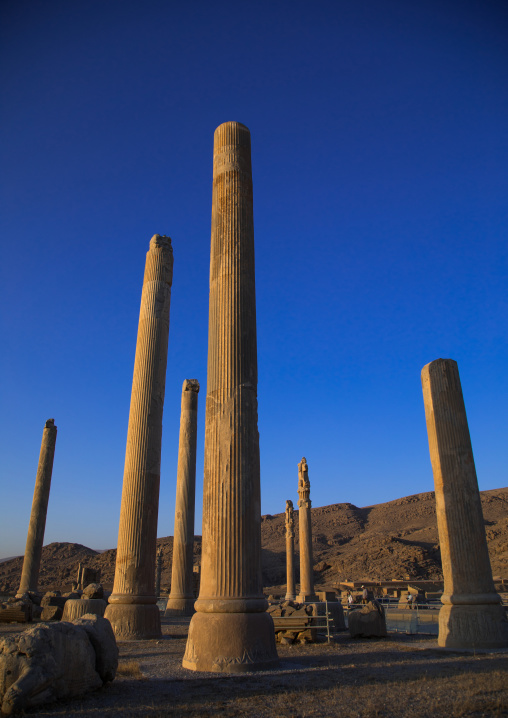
(181, 599)
(306, 569)
(231, 630)
(37, 525)
(472, 615)
(290, 551)
(132, 607)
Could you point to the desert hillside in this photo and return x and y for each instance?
(393, 540)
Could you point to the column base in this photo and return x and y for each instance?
(290, 597)
(134, 621)
(307, 598)
(473, 626)
(230, 643)
(180, 607)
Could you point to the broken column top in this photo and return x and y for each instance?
(191, 385)
(289, 504)
(50, 423)
(161, 241)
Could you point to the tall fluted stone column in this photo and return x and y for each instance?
(304, 504)
(181, 599)
(132, 607)
(472, 615)
(290, 552)
(231, 630)
(158, 572)
(37, 525)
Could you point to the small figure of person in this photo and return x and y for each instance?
(350, 600)
(365, 595)
(410, 601)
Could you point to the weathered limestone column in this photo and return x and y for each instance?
(304, 504)
(290, 552)
(37, 525)
(231, 630)
(181, 599)
(158, 572)
(132, 606)
(472, 615)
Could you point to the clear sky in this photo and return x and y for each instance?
(380, 168)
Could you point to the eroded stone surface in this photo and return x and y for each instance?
(53, 661)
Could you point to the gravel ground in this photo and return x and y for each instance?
(398, 676)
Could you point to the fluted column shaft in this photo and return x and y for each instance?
(132, 610)
(181, 599)
(290, 552)
(305, 531)
(37, 525)
(468, 617)
(231, 559)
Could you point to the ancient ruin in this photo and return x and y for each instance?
(181, 599)
(132, 607)
(231, 630)
(472, 615)
(54, 661)
(290, 551)
(158, 572)
(37, 525)
(304, 504)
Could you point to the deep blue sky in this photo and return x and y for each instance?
(380, 167)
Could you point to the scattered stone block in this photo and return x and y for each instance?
(368, 621)
(52, 613)
(76, 608)
(16, 611)
(50, 662)
(53, 598)
(93, 590)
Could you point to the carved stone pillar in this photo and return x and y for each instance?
(158, 572)
(304, 504)
(132, 607)
(472, 615)
(231, 630)
(290, 551)
(181, 599)
(37, 525)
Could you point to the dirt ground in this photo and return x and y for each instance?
(397, 676)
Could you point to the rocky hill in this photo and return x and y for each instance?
(396, 540)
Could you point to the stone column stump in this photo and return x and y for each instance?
(472, 615)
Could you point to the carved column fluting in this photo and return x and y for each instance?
(37, 525)
(231, 630)
(472, 615)
(132, 607)
(305, 531)
(158, 572)
(290, 552)
(181, 599)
